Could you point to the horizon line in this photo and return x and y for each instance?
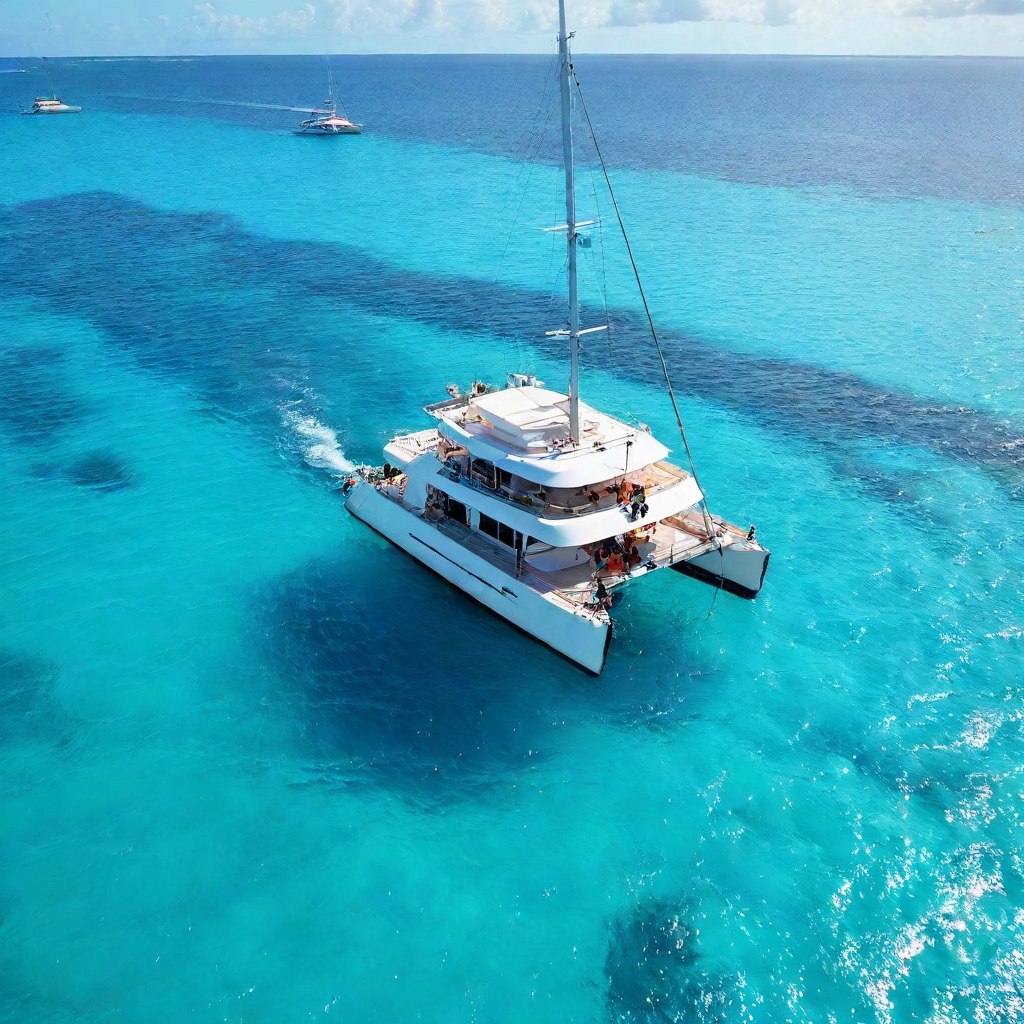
(523, 53)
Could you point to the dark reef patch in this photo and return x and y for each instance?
(37, 404)
(374, 688)
(656, 974)
(140, 275)
(28, 710)
(99, 471)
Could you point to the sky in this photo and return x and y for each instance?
(163, 27)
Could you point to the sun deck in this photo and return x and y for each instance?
(525, 431)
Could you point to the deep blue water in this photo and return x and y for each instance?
(256, 764)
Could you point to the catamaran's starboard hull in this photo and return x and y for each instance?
(64, 109)
(583, 639)
(354, 130)
(738, 568)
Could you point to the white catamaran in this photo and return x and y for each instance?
(539, 506)
(51, 104)
(328, 121)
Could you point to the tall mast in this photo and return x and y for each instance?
(570, 231)
(53, 92)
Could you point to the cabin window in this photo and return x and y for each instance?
(440, 501)
(484, 473)
(499, 531)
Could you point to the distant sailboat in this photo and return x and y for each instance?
(328, 121)
(51, 104)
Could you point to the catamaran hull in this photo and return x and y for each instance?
(329, 131)
(738, 568)
(582, 638)
(65, 109)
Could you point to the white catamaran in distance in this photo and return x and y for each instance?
(50, 104)
(328, 121)
(539, 506)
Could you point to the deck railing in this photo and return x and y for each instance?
(664, 475)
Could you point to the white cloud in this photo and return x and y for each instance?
(468, 17)
(503, 26)
(954, 8)
(208, 22)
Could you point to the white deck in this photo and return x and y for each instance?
(671, 542)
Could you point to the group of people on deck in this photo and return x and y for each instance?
(630, 496)
(618, 555)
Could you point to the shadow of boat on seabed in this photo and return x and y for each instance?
(380, 679)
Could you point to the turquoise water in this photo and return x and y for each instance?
(257, 765)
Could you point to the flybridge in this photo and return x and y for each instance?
(525, 430)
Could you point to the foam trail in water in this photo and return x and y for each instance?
(210, 102)
(320, 443)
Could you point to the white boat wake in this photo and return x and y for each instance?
(209, 102)
(319, 443)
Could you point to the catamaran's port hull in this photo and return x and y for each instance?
(582, 638)
(738, 568)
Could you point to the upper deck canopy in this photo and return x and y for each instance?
(526, 431)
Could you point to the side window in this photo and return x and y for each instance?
(457, 512)
(499, 531)
(484, 473)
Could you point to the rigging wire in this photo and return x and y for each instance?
(536, 130)
(600, 279)
(527, 158)
(536, 135)
(650, 320)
